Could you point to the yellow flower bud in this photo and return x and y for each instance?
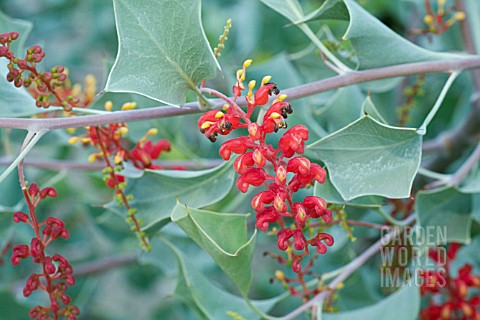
(206, 125)
(152, 131)
(76, 90)
(239, 74)
(275, 115)
(428, 19)
(279, 275)
(460, 15)
(129, 106)
(90, 80)
(73, 140)
(266, 79)
(92, 157)
(108, 105)
(123, 130)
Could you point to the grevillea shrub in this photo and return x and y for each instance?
(333, 175)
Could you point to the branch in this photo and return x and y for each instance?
(347, 271)
(29, 142)
(460, 174)
(293, 93)
(438, 103)
(105, 264)
(78, 165)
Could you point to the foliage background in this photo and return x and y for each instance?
(81, 35)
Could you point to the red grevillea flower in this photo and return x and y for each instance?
(450, 294)
(144, 152)
(216, 122)
(283, 177)
(293, 141)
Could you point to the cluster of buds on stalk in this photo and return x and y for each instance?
(288, 172)
(440, 20)
(449, 295)
(57, 273)
(44, 86)
(112, 148)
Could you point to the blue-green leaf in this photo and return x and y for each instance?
(163, 52)
(366, 156)
(157, 192)
(15, 102)
(446, 209)
(224, 237)
(401, 305)
(209, 301)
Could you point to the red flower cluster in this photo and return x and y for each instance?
(111, 138)
(57, 273)
(289, 173)
(110, 143)
(441, 19)
(449, 295)
(23, 72)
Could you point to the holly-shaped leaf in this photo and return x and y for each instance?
(375, 44)
(163, 52)
(208, 300)
(401, 305)
(15, 102)
(330, 9)
(365, 157)
(341, 109)
(224, 237)
(155, 193)
(446, 209)
(369, 108)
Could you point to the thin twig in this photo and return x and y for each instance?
(461, 173)
(30, 140)
(438, 102)
(293, 93)
(105, 264)
(78, 165)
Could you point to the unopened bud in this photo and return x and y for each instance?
(108, 105)
(460, 16)
(129, 106)
(266, 79)
(123, 130)
(247, 63)
(279, 275)
(428, 19)
(152, 131)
